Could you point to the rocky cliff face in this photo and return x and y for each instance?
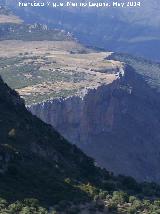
(79, 118)
(117, 124)
(39, 164)
(32, 153)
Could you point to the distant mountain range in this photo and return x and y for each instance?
(132, 30)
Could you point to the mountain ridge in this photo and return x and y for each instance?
(130, 30)
(40, 164)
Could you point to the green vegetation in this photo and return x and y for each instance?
(28, 206)
(39, 169)
(118, 202)
(16, 67)
(149, 70)
(37, 98)
(19, 73)
(36, 163)
(36, 32)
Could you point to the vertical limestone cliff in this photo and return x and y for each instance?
(118, 124)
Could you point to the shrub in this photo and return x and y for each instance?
(131, 210)
(120, 197)
(112, 206)
(132, 199)
(103, 194)
(3, 203)
(137, 204)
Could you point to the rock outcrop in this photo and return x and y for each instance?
(117, 124)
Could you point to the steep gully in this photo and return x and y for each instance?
(118, 124)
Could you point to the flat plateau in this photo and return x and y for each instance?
(42, 70)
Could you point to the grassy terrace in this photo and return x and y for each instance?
(53, 69)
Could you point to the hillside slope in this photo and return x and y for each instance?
(37, 163)
(7, 17)
(114, 101)
(39, 153)
(117, 124)
(13, 28)
(115, 105)
(133, 30)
